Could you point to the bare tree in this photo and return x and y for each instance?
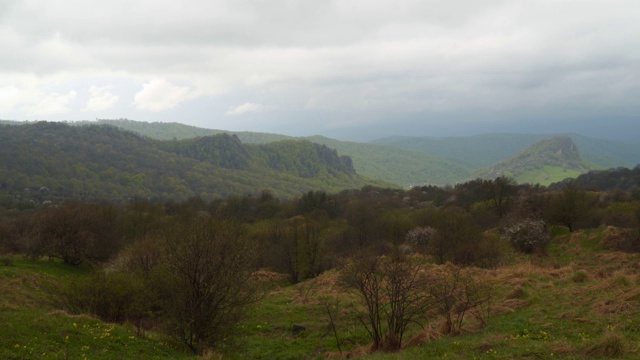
(208, 281)
(392, 292)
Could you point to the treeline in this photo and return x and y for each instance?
(618, 179)
(323, 226)
(42, 162)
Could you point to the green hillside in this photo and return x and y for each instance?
(399, 166)
(54, 160)
(390, 164)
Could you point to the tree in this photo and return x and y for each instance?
(207, 282)
(456, 236)
(500, 191)
(455, 293)
(65, 232)
(570, 206)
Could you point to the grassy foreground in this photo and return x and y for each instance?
(581, 301)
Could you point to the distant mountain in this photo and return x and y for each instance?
(169, 131)
(55, 160)
(406, 161)
(389, 164)
(544, 162)
(481, 151)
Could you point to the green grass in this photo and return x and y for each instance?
(546, 175)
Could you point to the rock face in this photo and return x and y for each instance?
(559, 151)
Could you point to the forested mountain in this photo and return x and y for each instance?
(544, 162)
(405, 160)
(46, 160)
(169, 131)
(388, 163)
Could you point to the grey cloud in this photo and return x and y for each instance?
(374, 60)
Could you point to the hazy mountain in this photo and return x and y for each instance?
(390, 164)
(406, 161)
(544, 162)
(61, 161)
(485, 150)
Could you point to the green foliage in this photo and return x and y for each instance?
(111, 296)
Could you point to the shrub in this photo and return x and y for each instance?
(528, 236)
(420, 237)
(113, 297)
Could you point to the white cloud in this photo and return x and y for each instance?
(101, 98)
(10, 97)
(159, 94)
(249, 107)
(53, 104)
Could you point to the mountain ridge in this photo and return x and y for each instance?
(105, 162)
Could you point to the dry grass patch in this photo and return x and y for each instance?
(609, 307)
(611, 345)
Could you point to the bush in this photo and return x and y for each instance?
(113, 297)
(528, 236)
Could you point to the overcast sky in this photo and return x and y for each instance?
(344, 68)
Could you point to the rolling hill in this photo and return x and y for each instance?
(54, 160)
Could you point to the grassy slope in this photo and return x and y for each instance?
(33, 327)
(546, 175)
(578, 302)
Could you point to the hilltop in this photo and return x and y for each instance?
(544, 162)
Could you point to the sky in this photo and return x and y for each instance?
(349, 69)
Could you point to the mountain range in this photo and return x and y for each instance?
(124, 158)
(408, 161)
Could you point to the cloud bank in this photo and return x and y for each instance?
(332, 63)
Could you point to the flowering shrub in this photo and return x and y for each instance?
(528, 235)
(420, 237)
